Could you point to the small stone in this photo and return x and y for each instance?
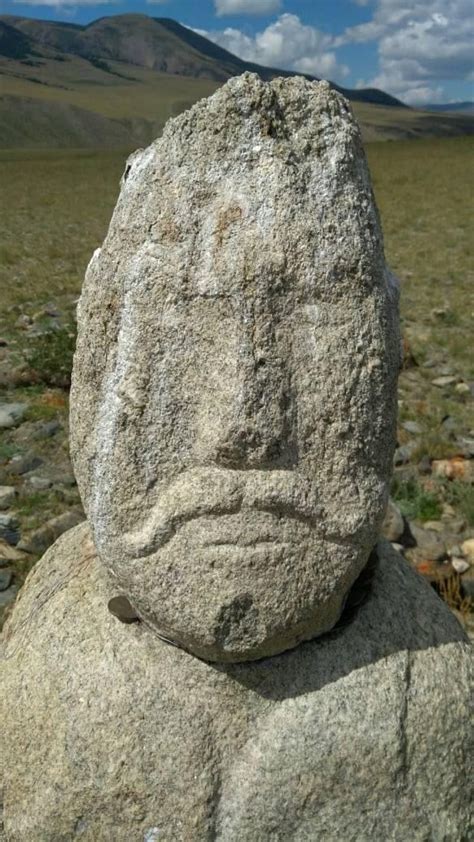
(23, 322)
(6, 578)
(448, 511)
(424, 465)
(466, 446)
(7, 496)
(460, 564)
(412, 427)
(39, 483)
(398, 547)
(42, 538)
(9, 553)
(9, 531)
(428, 544)
(11, 414)
(467, 549)
(24, 464)
(434, 525)
(393, 524)
(404, 453)
(455, 468)
(8, 597)
(3, 342)
(47, 430)
(449, 423)
(462, 389)
(68, 481)
(447, 380)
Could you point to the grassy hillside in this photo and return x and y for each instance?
(128, 106)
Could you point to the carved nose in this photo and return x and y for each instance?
(259, 433)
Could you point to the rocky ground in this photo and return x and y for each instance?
(430, 519)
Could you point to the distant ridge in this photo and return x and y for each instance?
(160, 44)
(451, 107)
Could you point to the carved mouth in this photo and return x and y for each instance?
(234, 508)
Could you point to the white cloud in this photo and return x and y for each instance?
(247, 7)
(420, 45)
(288, 44)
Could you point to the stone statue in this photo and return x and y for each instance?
(233, 425)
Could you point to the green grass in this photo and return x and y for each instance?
(414, 502)
(54, 211)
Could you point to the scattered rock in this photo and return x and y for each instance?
(7, 496)
(3, 342)
(23, 322)
(24, 464)
(467, 549)
(424, 465)
(393, 525)
(404, 453)
(9, 530)
(11, 414)
(446, 380)
(456, 468)
(460, 564)
(6, 578)
(429, 545)
(412, 427)
(39, 483)
(462, 389)
(42, 538)
(8, 553)
(7, 598)
(434, 526)
(449, 423)
(466, 446)
(47, 429)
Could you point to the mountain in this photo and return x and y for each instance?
(117, 80)
(159, 44)
(451, 107)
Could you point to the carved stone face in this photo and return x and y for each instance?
(234, 386)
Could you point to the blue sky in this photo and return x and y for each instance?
(421, 51)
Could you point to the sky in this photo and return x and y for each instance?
(421, 51)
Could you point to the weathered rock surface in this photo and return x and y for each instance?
(7, 496)
(393, 525)
(11, 414)
(233, 403)
(110, 733)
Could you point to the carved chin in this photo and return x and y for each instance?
(227, 601)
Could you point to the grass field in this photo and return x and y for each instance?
(55, 207)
